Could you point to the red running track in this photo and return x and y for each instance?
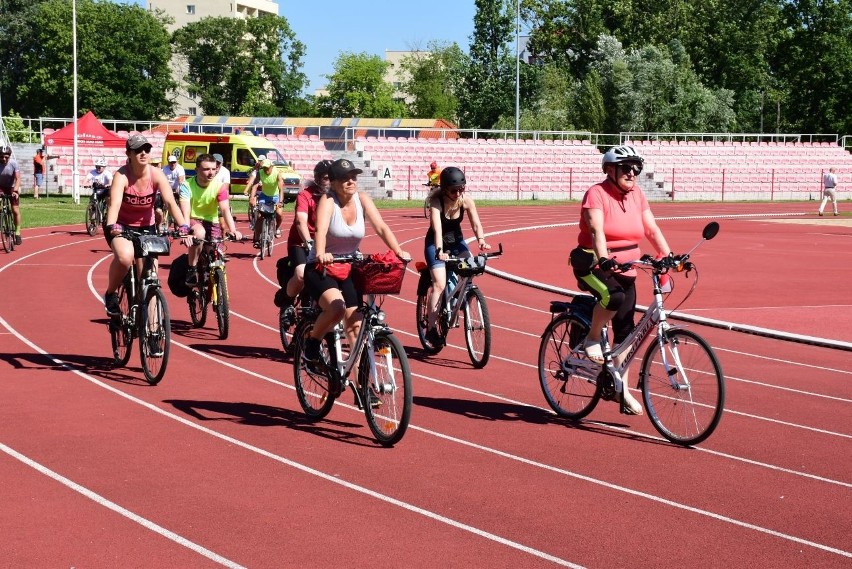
(217, 465)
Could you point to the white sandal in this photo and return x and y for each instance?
(593, 351)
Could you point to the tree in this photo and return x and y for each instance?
(120, 75)
(488, 88)
(434, 79)
(243, 67)
(816, 63)
(358, 88)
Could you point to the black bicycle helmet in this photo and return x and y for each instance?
(452, 176)
(6, 150)
(321, 169)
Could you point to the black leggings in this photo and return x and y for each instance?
(615, 292)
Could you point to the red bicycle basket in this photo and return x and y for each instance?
(379, 274)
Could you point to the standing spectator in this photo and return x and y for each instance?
(10, 184)
(829, 192)
(38, 172)
(434, 175)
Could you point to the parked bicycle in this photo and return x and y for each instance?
(382, 378)
(7, 223)
(680, 378)
(144, 311)
(96, 208)
(266, 237)
(461, 297)
(211, 286)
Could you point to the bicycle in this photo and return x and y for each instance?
(211, 286)
(144, 311)
(266, 242)
(680, 377)
(252, 216)
(382, 387)
(96, 209)
(461, 296)
(7, 223)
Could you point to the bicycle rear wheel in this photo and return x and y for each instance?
(477, 328)
(387, 398)
(154, 335)
(220, 303)
(120, 331)
(312, 387)
(7, 232)
(287, 318)
(688, 411)
(422, 322)
(92, 218)
(197, 300)
(569, 385)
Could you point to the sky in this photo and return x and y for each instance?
(329, 27)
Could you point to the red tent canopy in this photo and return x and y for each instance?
(90, 133)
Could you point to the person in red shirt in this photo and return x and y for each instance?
(615, 216)
(38, 172)
(301, 237)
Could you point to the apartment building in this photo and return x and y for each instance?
(187, 11)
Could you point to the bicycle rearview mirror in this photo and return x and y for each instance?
(710, 230)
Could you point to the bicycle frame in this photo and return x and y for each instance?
(363, 341)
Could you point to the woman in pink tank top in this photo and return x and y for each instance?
(131, 205)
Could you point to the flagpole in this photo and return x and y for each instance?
(75, 183)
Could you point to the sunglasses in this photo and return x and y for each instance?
(636, 169)
(455, 189)
(145, 149)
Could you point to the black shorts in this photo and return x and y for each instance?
(298, 255)
(317, 283)
(149, 229)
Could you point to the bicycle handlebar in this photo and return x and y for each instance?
(483, 254)
(662, 265)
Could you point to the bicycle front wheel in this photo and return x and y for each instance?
(197, 300)
(477, 328)
(312, 385)
(252, 217)
(220, 302)
(154, 335)
(264, 236)
(270, 236)
(683, 387)
(120, 331)
(387, 397)
(7, 232)
(92, 218)
(567, 379)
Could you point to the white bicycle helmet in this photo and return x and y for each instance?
(619, 154)
(100, 162)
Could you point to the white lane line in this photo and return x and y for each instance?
(293, 464)
(101, 501)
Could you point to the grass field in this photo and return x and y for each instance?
(61, 210)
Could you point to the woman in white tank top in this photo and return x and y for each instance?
(341, 214)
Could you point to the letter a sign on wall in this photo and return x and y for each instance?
(385, 172)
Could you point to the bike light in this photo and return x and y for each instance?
(380, 317)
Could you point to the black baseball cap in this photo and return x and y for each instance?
(342, 168)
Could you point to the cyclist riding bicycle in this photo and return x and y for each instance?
(99, 179)
(202, 198)
(447, 206)
(131, 205)
(271, 186)
(341, 214)
(10, 185)
(615, 216)
(301, 236)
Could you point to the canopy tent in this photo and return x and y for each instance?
(90, 133)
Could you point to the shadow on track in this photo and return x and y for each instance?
(97, 366)
(420, 355)
(502, 411)
(256, 415)
(240, 352)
